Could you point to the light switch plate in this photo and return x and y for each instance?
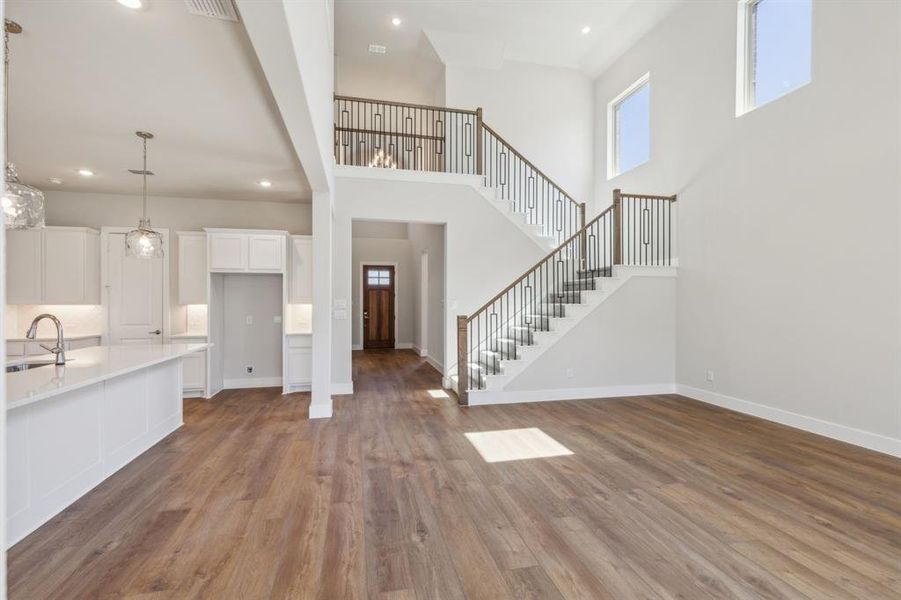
(248, 319)
(277, 319)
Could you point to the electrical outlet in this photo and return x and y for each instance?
(249, 369)
(569, 373)
(277, 319)
(709, 375)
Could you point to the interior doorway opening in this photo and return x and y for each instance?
(399, 289)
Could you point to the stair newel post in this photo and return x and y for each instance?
(617, 227)
(583, 238)
(479, 141)
(463, 359)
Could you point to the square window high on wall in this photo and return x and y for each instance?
(774, 49)
(629, 128)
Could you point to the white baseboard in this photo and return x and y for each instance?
(251, 382)
(321, 411)
(357, 347)
(483, 397)
(420, 351)
(192, 394)
(342, 389)
(298, 387)
(851, 435)
(435, 364)
(403, 345)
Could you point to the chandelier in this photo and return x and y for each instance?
(144, 242)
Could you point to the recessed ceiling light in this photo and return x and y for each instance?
(586, 30)
(131, 3)
(265, 183)
(55, 180)
(396, 21)
(85, 172)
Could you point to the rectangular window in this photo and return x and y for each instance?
(629, 128)
(774, 50)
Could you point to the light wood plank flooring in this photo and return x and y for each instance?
(662, 497)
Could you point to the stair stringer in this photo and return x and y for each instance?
(499, 387)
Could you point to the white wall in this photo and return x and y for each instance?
(627, 340)
(789, 219)
(485, 251)
(371, 250)
(374, 77)
(546, 113)
(429, 240)
(258, 296)
(192, 214)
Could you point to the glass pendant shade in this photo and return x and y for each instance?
(23, 205)
(144, 242)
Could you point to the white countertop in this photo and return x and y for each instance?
(86, 367)
(46, 338)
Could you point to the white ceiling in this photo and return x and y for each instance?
(86, 75)
(545, 32)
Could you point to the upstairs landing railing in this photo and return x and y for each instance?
(397, 135)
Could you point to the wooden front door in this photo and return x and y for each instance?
(378, 306)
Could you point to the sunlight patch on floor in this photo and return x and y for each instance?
(438, 394)
(516, 444)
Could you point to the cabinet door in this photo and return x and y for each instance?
(228, 252)
(301, 271)
(64, 261)
(266, 252)
(23, 266)
(194, 371)
(192, 275)
(300, 365)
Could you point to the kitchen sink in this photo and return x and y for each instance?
(25, 366)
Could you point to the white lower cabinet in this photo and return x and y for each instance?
(299, 362)
(193, 368)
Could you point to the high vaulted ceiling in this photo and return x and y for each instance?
(85, 75)
(547, 32)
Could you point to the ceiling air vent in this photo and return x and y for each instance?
(217, 9)
(377, 49)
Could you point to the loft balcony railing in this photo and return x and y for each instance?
(396, 135)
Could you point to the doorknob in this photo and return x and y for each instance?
(365, 315)
(155, 332)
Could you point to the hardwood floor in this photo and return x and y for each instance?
(662, 497)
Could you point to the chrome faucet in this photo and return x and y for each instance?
(59, 350)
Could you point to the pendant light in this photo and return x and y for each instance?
(23, 205)
(144, 242)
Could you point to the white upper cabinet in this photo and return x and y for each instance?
(24, 270)
(54, 265)
(192, 267)
(301, 290)
(228, 252)
(242, 251)
(265, 252)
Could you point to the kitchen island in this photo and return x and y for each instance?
(71, 427)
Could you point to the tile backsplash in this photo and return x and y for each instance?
(76, 319)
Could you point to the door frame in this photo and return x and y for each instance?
(424, 303)
(105, 232)
(377, 263)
